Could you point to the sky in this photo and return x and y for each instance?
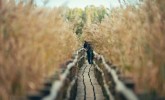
(77, 3)
(81, 3)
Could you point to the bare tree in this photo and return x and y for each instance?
(125, 2)
(120, 3)
(45, 2)
(133, 1)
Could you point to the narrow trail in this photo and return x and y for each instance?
(82, 81)
(88, 87)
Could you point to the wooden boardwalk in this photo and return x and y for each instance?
(72, 84)
(88, 87)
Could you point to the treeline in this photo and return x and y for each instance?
(85, 17)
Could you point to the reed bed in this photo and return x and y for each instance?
(133, 38)
(34, 42)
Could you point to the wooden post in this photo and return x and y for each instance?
(45, 91)
(34, 96)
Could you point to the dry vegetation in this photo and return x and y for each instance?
(33, 43)
(134, 39)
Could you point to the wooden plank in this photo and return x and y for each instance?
(87, 81)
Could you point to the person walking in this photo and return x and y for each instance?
(89, 50)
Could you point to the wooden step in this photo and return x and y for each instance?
(88, 87)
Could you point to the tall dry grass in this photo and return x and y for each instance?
(134, 39)
(33, 43)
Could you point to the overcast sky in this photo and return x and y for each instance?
(81, 3)
(77, 3)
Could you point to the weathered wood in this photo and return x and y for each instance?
(88, 87)
(34, 96)
(128, 81)
(80, 81)
(120, 90)
(45, 91)
(150, 96)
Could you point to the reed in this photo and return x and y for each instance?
(134, 39)
(33, 43)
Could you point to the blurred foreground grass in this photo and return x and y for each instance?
(134, 39)
(33, 43)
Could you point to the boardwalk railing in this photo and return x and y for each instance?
(64, 86)
(113, 86)
(67, 81)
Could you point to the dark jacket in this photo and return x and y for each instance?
(86, 45)
(90, 54)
